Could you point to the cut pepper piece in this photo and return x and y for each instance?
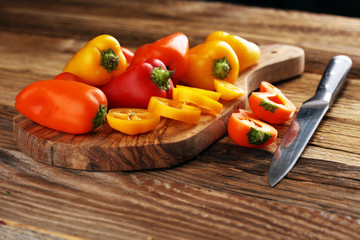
(132, 121)
(247, 131)
(206, 104)
(228, 91)
(174, 109)
(271, 105)
(211, 94)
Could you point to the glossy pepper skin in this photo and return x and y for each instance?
(248, 131)
(98, 61)
(248, 53)
(208, 61)
(138, 84)
(172, 50)
(271, 104)
(66, 106)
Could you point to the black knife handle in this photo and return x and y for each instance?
(333, 79)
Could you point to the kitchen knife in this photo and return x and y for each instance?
(308, 118)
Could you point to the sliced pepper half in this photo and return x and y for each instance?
(247, 131)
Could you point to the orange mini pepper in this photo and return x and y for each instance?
(271, 105)
(98, 61)
(63, 105)
(208, 61)
(248, 53)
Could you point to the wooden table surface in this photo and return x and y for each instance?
(223, 192)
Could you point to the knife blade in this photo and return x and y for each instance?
(308, 118)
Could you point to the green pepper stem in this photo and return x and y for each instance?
(109, 60)
(221, 68)
(161, 78)
(258, 137)
(100, 117)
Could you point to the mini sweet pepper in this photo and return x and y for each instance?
(138, 84)
(209, 61)
(98, 61)
(248, 53)
(172, 50)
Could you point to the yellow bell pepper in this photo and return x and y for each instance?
(174, 110)
(248, 53)
(98, 61)
(132, 121)
(208, 61)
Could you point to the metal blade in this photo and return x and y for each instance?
(296, 138)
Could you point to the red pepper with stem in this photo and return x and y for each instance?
(172, 50)
(135, 87)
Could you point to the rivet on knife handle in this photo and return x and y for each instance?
(308, 118)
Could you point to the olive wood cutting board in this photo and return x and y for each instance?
(171, 143)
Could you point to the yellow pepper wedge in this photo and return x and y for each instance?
(228, 91)
(174, 110)
(132, 121)
(209, 60)
(248, 53)
(98, 61)
(211, 94)
(206, 104)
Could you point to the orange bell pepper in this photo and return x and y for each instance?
(208, 61)
(248, 53)
(132, 121)
(271, 105)
(174, 110)
(98, 61)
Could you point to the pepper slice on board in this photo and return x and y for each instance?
(209, 60)
(271, 105)
(132, 121)
(248, 53)
(247, 131)
(98, 61)
(174, 110)
(211, 94)
(206, 104)
(228, 91)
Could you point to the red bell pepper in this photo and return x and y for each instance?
(135, 87)
(172, 50)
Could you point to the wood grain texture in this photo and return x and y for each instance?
(171, 143)
(222, 193)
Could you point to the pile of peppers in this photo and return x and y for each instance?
(131, 91)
